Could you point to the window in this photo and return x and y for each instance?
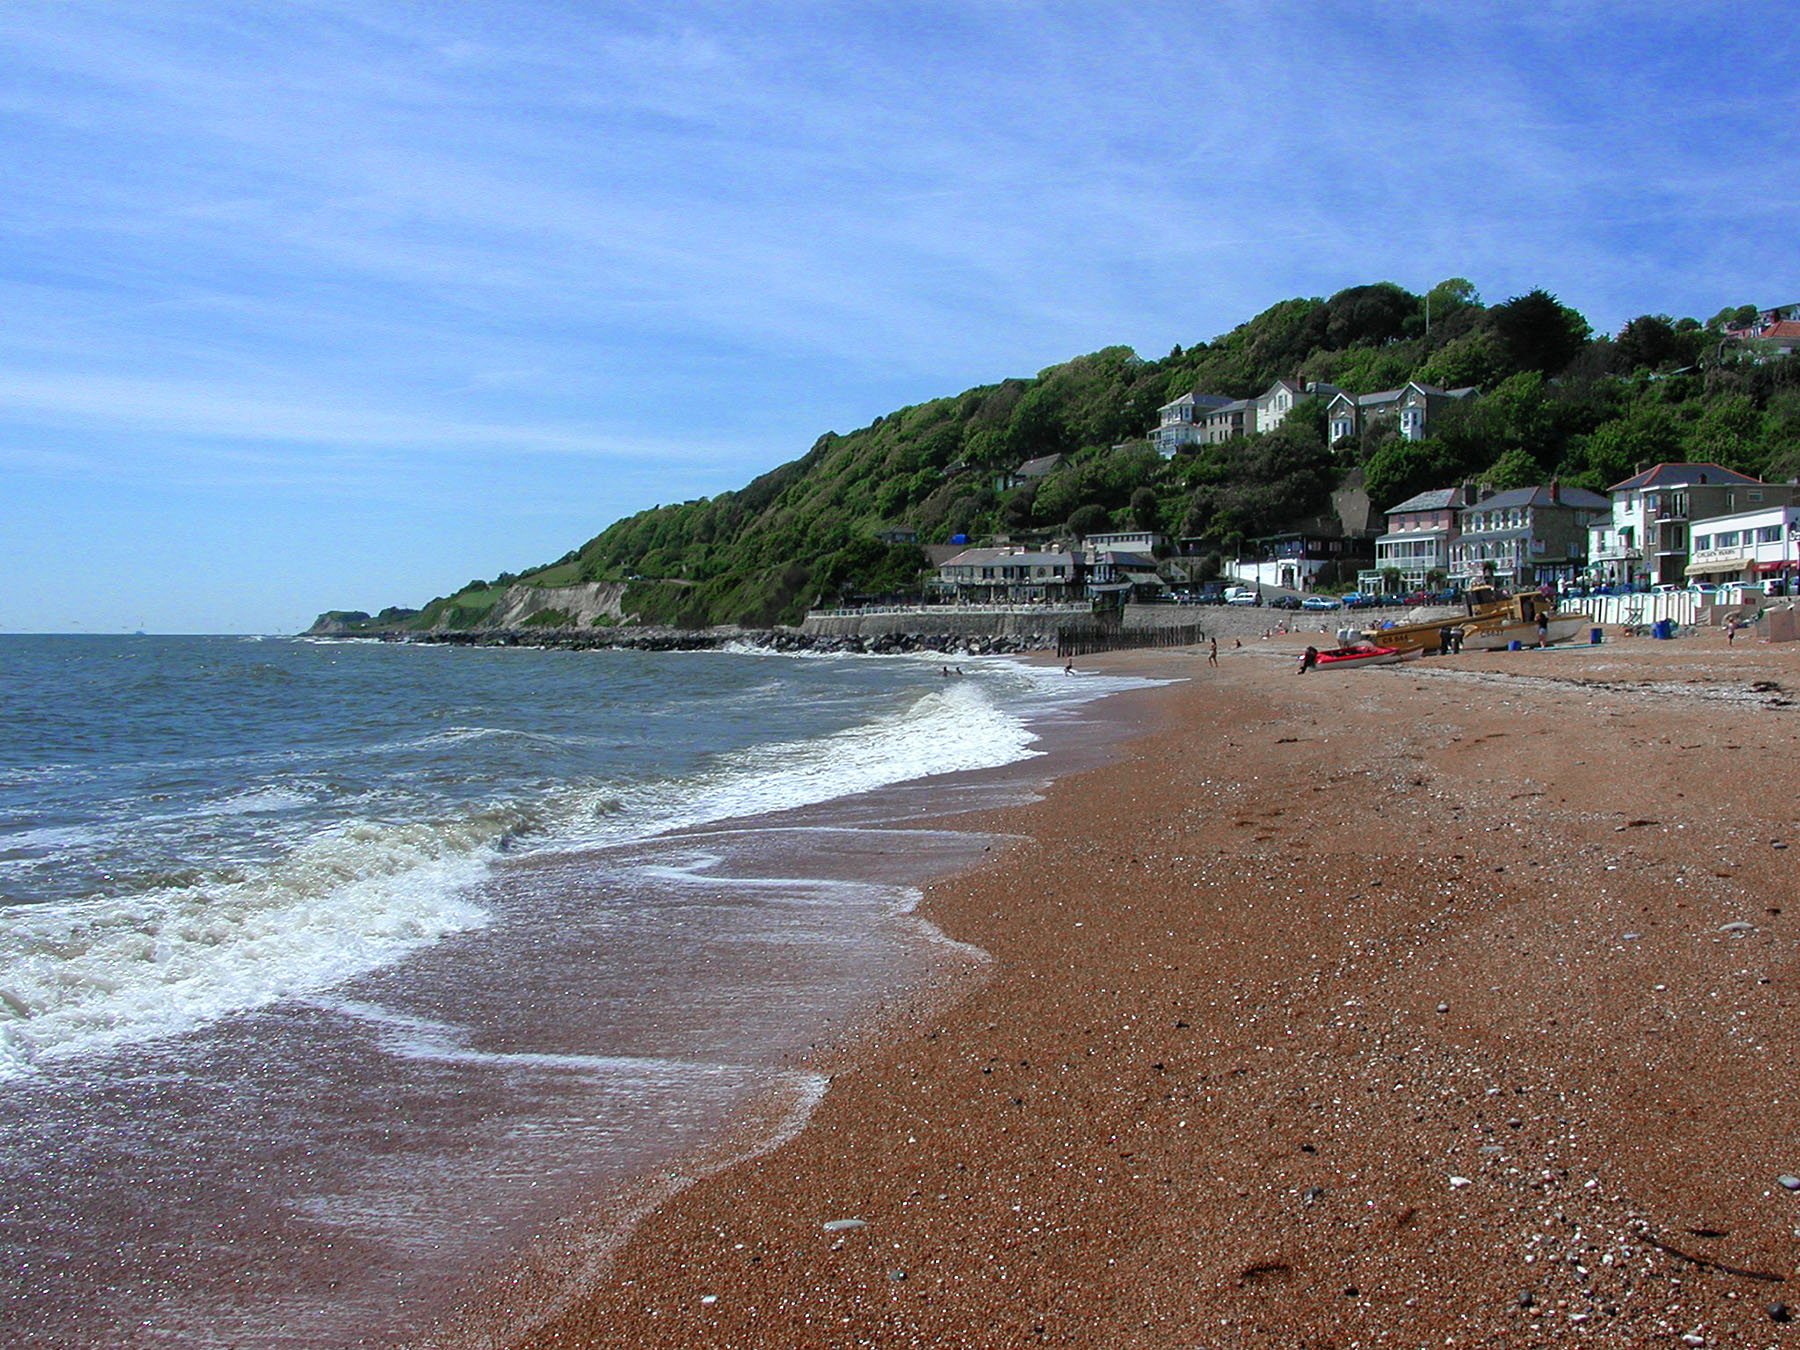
(1702, 541)
(1726, 539)
(1768, 534)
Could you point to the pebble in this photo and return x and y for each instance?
(1457, 1183)
(1693, 1338)
(1778, 1312)
(896, 1275)
(1525, 1299)
(1788, 1181)
(843, 1225)
(1741, 926)
(1313, 1193)
(1443, 1007)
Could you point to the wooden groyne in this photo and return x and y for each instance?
(1088, 638)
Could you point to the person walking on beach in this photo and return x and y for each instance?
(1543, 629)
(1212, 653)
(1308, 660)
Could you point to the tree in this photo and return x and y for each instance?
(1650, 342)
(1090, 519)
(1401, 469)
(1539, 333)
(1146, 513)
(1514, 469)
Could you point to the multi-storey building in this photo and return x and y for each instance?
(1644, 541)
(1420, 531)
(1411, 408)
(1525, 537)
(1761, 545)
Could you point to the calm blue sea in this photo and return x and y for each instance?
(333, 974)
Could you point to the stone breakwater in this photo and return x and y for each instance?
(768, 639)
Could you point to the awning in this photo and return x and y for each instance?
(1709, 566)
(1766, 568)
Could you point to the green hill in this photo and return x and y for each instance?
(1554, 401)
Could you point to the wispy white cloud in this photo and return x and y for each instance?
(687, 237)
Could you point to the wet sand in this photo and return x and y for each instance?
(1449, 1003)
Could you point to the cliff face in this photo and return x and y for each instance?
(578, 606)
(337, 622)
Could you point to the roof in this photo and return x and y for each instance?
(1685, 474)
(1037, 468)
(1437, 499)
(1578, 498)
(1781, 328)
(983, 557)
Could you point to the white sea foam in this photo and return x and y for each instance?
(101, 974)
(954, 729)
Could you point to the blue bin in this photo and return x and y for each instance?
(1663, 628)
(1593, 637)
(1513, 646)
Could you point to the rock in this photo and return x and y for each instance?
(1788, 1181)
(843, 1225)
(1778, 1312)
(1443, 1007)
(896, 1275)
(1693, 1338)
(1457, 1183)
(1312, 1193)
(1525, 1299)
(1740, 927)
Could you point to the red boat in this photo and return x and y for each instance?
(1363, 654)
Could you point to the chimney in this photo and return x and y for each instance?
(1555, 492)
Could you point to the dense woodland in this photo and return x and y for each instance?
(1554, 401)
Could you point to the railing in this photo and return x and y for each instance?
(992, 607)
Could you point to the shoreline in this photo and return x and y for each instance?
(1368, 1008)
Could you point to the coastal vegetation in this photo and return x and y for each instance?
(847, 518)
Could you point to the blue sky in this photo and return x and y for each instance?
(340, 303)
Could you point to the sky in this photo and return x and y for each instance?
(339, 304)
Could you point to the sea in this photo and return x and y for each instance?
(334, 975)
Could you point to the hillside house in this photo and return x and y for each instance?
(1526, 537)
(1278, 400)
(1183, 422)
(1411, 408)
(1028, 472)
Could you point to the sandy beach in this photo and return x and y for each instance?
(1441, 1004)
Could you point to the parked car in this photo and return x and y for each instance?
(1247, 598)
(1285, 602)
(1318, 602)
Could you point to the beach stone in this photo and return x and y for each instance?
(1788, 1181)
(1525, 1299)
(896, 1275)
(1741, 926)
(843, 1225)
(1778, 1312)
(1443, 1007)
(1457, 1183)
